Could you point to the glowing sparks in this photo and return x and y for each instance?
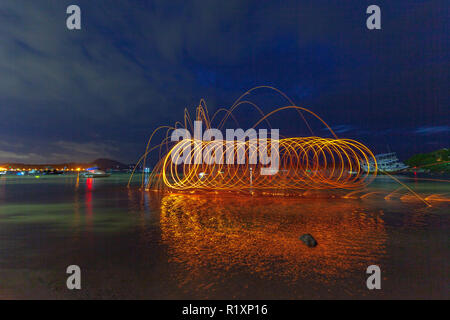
(304, 162)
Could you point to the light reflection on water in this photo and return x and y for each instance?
(231, 233)
(134, 244)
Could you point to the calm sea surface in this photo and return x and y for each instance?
(130, 244)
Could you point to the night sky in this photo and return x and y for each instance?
(99, 92)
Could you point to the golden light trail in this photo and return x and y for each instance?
(304, 162)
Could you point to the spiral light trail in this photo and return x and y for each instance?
(304, 162)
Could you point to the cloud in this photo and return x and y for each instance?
(342, 128)
(86, 149)
(57, 152)
(433, 130)
(136, 65)
(7, 156)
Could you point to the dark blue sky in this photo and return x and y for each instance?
(99, 92)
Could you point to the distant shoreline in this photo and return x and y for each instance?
(66, 166)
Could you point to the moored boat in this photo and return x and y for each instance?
(386, 162)
(95, 173)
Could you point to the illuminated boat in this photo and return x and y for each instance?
(95, 173)
(386, 162)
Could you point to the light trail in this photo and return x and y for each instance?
(305, 163)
